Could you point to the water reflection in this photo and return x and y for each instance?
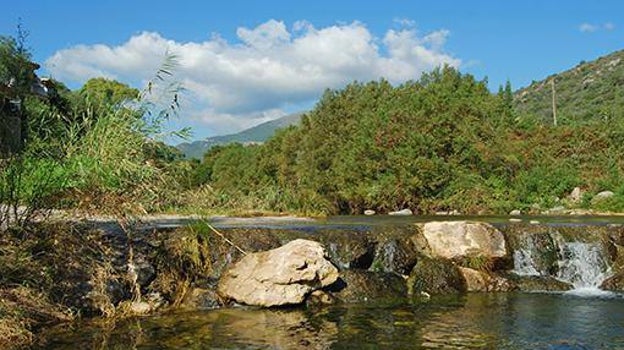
(475, 321)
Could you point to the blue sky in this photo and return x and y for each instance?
(245, 62)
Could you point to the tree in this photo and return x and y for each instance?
(107, 92)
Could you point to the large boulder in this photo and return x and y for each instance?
(460, 239)
(282, 276)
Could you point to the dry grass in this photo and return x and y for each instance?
(23, 311)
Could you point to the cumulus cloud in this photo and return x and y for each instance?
(591, 28)
(268, 67)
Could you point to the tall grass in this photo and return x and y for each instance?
(94, 158)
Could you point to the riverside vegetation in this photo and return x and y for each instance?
(443, 142)
(440, 143)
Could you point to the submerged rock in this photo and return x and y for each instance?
(481, 281)
(538, 283)
(457, 239)
(200, 299)
(435, 276)
(282, 276)
(356, 286)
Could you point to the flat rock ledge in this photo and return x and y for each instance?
(281, 276)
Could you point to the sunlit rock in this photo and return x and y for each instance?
(403, 212)
(457, 239)
(282, 276)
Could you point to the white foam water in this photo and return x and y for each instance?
(583, 265)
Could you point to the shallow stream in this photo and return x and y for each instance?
(472, 321)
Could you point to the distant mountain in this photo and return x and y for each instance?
(588, 91)
(256, 134)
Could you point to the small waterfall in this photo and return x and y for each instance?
(583, 265)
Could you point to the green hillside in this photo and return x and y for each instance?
(586, 92)
(256, 134)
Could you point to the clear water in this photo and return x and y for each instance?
(473, 321)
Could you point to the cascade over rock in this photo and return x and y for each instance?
(282, 276)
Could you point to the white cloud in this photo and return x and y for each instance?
(587, 28)
(591, 28)
(268, 68)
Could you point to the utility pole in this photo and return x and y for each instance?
(554, 101)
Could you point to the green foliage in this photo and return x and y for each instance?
(97, 148)
(441, 143)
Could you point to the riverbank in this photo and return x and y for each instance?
(62, 271)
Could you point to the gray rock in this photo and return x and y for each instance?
(602, 196)
(403, 212)
(515, 212)
(575, 195)
(282, 276)
(369, 212)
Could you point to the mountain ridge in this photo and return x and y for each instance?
(255, 134)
